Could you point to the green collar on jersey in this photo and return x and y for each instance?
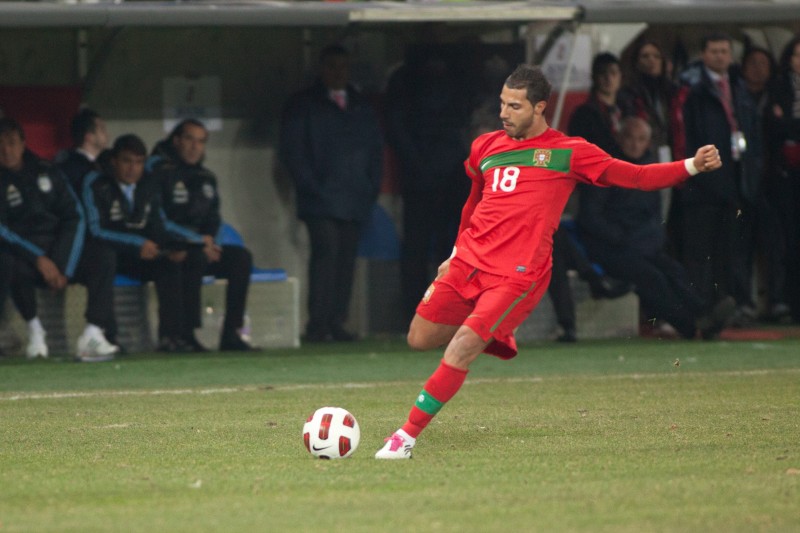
(555, 159)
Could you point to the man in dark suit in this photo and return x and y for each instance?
(716, 110)
(332, 146)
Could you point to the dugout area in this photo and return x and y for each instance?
(142, 64)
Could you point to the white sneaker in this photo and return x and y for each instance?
(37, 347)
(396, 447)
(95, 348)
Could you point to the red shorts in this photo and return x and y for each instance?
(492, 306)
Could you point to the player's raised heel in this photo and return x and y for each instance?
(396, 447)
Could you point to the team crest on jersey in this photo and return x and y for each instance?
(116, 213)
(13, 197)
(44, 183)
(541, 158)
(180, 195)
(428, 293)
(208, 191)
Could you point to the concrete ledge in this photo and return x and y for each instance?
(595, 319)
(273, 313)
(273, 316)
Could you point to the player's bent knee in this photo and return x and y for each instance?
(417, 341)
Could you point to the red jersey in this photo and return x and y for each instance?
(520, 189)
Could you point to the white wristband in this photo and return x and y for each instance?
(690, 168)
(454, 253)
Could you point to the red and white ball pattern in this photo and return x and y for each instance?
(331, 433)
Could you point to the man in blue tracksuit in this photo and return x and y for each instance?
(123, 208)
(190, 198)
(42, 236)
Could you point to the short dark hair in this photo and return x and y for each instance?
(9, 125)
(600, 64)
(602, 61)
(785, 61)
(177, 131)
(83, 123)
(753, 50)
(128, 143)
(533, 80)
(333, 50)
(715, 37)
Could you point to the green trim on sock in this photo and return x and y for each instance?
(427, 403)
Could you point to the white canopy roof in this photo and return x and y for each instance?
(307, 13)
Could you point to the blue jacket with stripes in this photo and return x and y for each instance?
(111, 217)
(40, 214)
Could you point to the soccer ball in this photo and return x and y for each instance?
(331, 433)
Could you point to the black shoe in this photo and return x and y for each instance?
(605, 287)
(780, 313)
(235, 343)
(743, 317)
(316, 336)
(194, 344)
(339, 334)
(720, 316)
(173, 345)
(122, 349)
(569, 335)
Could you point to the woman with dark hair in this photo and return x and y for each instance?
(783, 187)
(598, 119)
(649, 95)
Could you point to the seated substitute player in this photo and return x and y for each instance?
(90, 139)
(521, 178)
(42, 229)
(190, 198)
(123, 208)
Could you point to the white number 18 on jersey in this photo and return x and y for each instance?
(508, 181)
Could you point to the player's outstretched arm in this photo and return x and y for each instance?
(659, 175)
(707, 158)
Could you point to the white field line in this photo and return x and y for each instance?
(12, 397)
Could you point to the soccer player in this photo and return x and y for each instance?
(521, 178)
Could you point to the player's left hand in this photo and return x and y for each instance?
(212, 250)
(176, 256)
(50, 272)
(707, 158)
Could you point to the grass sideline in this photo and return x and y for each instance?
(635, 435)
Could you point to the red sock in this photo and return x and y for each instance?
(440, 387)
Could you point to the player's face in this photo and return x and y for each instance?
(191, 144)
(128, 167)
(12, 149)
(521, 119)
(717, 56)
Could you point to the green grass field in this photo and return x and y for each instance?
(636, 435)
